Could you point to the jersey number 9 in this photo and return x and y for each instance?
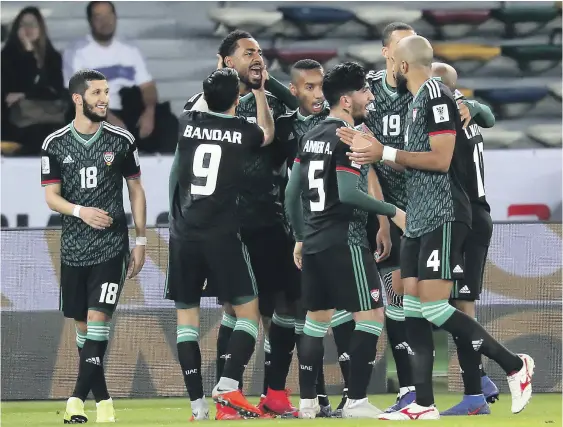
(209, 172)
(317, 184)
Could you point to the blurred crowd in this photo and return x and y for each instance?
(35, 99)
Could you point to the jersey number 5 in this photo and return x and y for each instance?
(317, 184)
(209, 172)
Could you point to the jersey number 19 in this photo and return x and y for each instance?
(209, 172)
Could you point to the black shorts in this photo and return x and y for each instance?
(475, 252)
(437, 255)
(393, 261)
(94, 287)
(342, 277)
(271, 256)
(223, 260)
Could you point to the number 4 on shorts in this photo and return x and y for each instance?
(433, 260)
(109, 293)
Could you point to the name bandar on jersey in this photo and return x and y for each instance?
(328, 222)
(469, 145)
(91, 174)
(260, 201)
(209, 166)
(434, 198)
(387, 119)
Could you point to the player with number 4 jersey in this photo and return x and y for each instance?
(82, 169)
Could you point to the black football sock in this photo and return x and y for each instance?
(223, 337)
(459, 324)
(92, 361)
(421, 342)
(320, 386)
(310, 356)
(342, 324)
(99, 385)
(189, 356)
(469, 361)
(241, 347)
(397, 334)
(282, 342)
(267, 365)
(363, 348)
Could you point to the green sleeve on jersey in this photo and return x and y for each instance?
(293, 204)
(172, 182)
(481, 113)
(349, 194)
(280, 91)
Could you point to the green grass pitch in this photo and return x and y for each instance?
(543, 410)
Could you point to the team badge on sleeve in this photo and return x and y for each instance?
(441, 113)
(108, 157)
(375, 294)
(45, 165)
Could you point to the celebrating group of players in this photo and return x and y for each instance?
(359, 149)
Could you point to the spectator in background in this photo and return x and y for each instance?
(34, 100)
(134, 99)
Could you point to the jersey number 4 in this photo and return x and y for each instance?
(317, 184)
(209, 172)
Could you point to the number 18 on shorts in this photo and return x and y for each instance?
(95, 287)
(437, 255)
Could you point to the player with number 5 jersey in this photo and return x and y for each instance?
(82, 169)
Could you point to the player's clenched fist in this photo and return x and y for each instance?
(95, 218)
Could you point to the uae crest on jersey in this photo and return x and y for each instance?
(414, 111)
(108, 157)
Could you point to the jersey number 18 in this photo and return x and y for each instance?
(209, 172)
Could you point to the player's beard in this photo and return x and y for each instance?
(401, 80)
(358, 113)
(88, 111)
(250, 85)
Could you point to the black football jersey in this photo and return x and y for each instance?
(260, 201)
(91, 174)
(434, 198)
(328, 222)
(387, 119)
(469, 144)
(208, 166)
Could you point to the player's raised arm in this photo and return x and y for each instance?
(264, 117)
(132, 174)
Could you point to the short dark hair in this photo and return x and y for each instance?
(342, 79)
(90, 8)
(230, 43)
(392, 27)
(221, 89)
(79, 81)
(306, 64)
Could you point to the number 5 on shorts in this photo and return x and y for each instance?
(109, 293)
(433, 261)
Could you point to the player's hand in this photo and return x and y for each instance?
(383, 240)
(400, 219)
(95, 218)
(366, 149)
(12, 98)
(220, 62)
(297, 256)
(136, 262)
(464, 113)
(146, 123)
(26, 42)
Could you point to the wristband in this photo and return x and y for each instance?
(389, 153)
(76, 211)
(141, 241)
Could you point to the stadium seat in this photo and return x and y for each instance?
(254, 20)
(368, 54)
(285, 58)
(555, 90)
(306, 18)
(478, 54)
(540, 14)
(498, 136)
(546, 134)
(499, 98)
(374, 18)
(527, 54)
(440, 18)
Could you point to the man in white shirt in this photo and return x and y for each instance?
(121, 63)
